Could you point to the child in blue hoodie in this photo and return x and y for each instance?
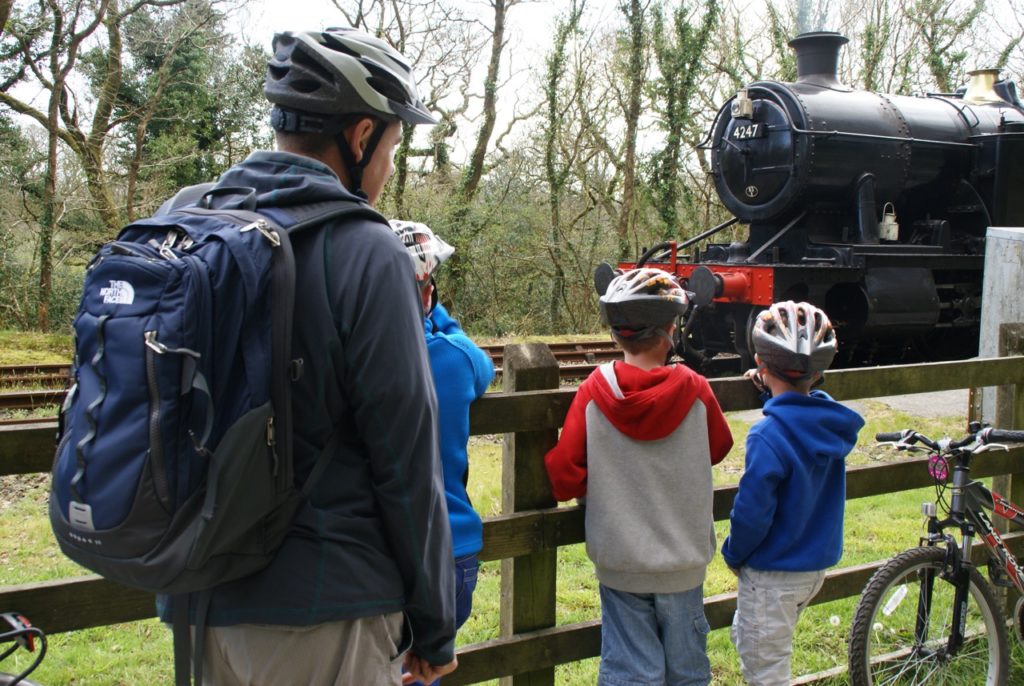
(787, 518)
(462, 372)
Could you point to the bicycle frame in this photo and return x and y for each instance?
(979, 498)
(968, 502)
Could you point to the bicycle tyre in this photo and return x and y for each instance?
(883, 649)
(6, 679)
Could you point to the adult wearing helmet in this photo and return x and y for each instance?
(345, 87)
(787, 517)
(363, 579)
(462, 372)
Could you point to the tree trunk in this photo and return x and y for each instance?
(471, 177)
(627, 216)
(47, 222)
(5, 12)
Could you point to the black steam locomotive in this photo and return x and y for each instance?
(872, 206)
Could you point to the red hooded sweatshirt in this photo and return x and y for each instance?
(652, 404)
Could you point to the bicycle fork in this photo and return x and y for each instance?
(957, 572)
(968, 515)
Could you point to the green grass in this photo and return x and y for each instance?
(31, 347)
(140, 653)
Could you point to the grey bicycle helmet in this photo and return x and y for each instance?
(319, 81)
(337, 73)
(426, 250)
(639, 302)
(794, 340)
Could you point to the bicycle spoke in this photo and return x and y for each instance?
(902, 628)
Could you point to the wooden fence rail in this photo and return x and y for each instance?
(527, 537)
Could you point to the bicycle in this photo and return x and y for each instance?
(16, 629)
(928, 615)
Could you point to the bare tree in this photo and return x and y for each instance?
(5, 11)
(556, 172)
(52, 68)
(443, 44)
(681, 50)
(48, 39)
(475, 167)
(635, 41)
(941, 24)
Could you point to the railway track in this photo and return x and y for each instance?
(572, 352)
(578, 357)
(30, 400)
(47, 375)
(577, 360)
(32, 386)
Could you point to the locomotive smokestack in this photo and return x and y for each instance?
(981, 87)
(817, 58)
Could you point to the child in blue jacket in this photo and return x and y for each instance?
(787, 518)
(462, 372)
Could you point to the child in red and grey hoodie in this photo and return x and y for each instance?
(638, 445)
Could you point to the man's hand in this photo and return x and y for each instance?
(418, 669)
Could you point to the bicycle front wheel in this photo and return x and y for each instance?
(903, 623)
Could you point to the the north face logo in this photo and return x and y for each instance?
(119, 293)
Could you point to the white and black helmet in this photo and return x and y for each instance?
(337, 73)
(638, 302)
(794, 340)
(426, 250)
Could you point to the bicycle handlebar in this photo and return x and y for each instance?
(1002, 436)
(909, 437)
(889, 436)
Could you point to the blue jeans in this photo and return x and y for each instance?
(466, 569)
(653, 639)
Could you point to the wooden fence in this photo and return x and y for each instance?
(528, 413)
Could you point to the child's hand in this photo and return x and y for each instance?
(755, 376)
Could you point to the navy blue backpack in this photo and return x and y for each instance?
(173, 470)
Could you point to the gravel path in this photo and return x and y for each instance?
(937, 404)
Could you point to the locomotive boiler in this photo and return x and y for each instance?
(872, 206)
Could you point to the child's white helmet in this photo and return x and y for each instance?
(426, 250)
(794, 340)
(639, 301)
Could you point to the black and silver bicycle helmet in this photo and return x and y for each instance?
(319, 80)
(340, 72)
(794, 340)
(639, 302)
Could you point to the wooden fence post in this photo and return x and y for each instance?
(1009, 414)
(1000, 302)
(528, 582)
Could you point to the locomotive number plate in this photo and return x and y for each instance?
(747, 131)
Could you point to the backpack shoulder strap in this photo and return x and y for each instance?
(189, 195)
(287, 221)
(299, 217)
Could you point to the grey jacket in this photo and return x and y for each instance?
(374, 536)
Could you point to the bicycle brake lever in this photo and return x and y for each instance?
(990, 446)
(909, 447)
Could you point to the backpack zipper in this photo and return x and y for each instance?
(264, 228)
(156, 448)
